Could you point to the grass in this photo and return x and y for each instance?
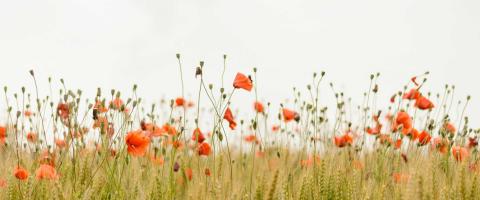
(119, 148)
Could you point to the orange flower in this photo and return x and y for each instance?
(423, 103)
(20, 173)
(424, 138)
(460, 153)
(414, 134)
(137, 143)
(400, 177)
(404, 119)
(151, 129)
(27, 113)
(157, 160)
(440, 144)
(197, 136)
(275, 128)
(60, 143)
(258, 106)
(289, 115)
(46, 172)
(378, 127)
(229, 117)
(385, 139)
(398, 144)
(32, 137)
(412, 95)
(63, 111)
(251, 138)
(449, 127)
(117, 103)
(309, 162)
(243, 82)
(101, 122)
(179, 101)
(260, 154)
(357, 164)
(100, 107)
(204, 149)
(189, 173)
(177, 144)
(3, 134)
(342, 141)
(170, 130)
(3, 183)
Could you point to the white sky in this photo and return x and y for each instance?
(114, 44)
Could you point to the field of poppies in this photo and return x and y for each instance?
(111, 146)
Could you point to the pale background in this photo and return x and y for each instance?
(114, 44)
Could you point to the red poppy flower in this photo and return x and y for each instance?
(63, 110)
(32, 137)
(179, 101)
(3, 134)
(170, 130)
(400, 177)
(289, 115)
(3, 183)
(198, 136)
(60, 143)
(157, 160)
(137, 143)
(398, 144)
(189, 173)
(204, 149)
(20, 173)
(100, 107)
(412, 94)
(251, 138)
(151, 129)
(258, 106)
(385, 139)
(441, 144)
(275, 128)
(229, 117)
(117, 103)
(27, 113)
(342, 141)
(449, 127)
(423, 103)
(460, 153)
(46, 172)
(378, 127)
(243, 82)
(424, 138)
(404, 119)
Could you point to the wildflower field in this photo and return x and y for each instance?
(60, 144)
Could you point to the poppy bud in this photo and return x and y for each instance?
(178, 55)
(176, 167)
(31, 72)
(201, 63)
(198, 71)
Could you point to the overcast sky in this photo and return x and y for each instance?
(114, 44)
